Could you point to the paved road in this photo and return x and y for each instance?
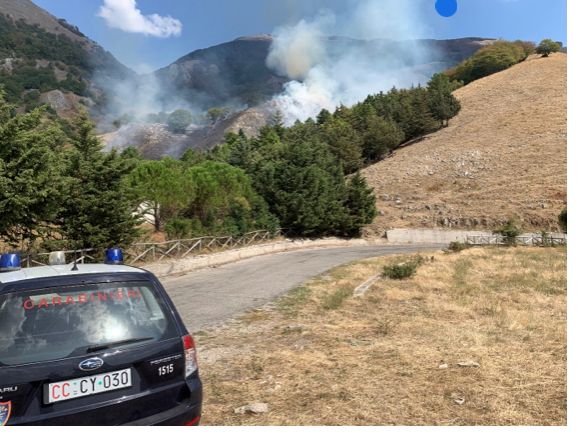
(211, 296)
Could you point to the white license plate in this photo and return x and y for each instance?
(90, 385)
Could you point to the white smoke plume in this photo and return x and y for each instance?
(326, 72)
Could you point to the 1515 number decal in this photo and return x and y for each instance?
(166, 369)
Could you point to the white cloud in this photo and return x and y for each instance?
(125, 15)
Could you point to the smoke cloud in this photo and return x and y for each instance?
(294, 52)
(326, 72)
(125, 15)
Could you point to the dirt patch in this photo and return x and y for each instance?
(474, 338)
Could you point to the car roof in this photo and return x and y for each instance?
(41, 272)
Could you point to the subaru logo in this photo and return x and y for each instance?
(91, 364)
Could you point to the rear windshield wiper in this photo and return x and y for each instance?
(116, 343)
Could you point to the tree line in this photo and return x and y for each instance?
(58, 189)
(498, 57)
(304, 178)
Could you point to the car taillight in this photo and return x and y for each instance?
(194, 421)
(190, 355)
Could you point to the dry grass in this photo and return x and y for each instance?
(375, 359)
(503, 156)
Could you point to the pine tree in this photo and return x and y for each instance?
(160, 187)
(306, 190)
(421, 120)
(277, 123)
(380, 138)
(442, 103)
(31, 175)
(361, 205)
(323, 117)
(99, 208)
(345, 143)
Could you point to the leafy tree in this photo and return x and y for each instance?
(361, 205)
(547, 47)
(222, 200)
(179, 120)
(527, 46)
(31, 174)
(98, 210)
(217, 113)
(160, 186)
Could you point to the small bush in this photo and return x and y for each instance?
(546, 239)
(403, 270)
(457, 246)
(509, 231)
(178, 228)
(563, 220)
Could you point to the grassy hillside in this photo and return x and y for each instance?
(392, 355)
(503, 156)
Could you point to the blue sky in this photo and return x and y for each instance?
(203, 23)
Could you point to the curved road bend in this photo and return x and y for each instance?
(211, 296)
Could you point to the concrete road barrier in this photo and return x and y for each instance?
(443, 236)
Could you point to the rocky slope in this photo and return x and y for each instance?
(155, 141)
(504, 156)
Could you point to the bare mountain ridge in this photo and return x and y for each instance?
(504, 156)
(235, 74)
(236, 71)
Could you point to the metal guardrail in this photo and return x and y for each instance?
(157, 251)
(529, 241)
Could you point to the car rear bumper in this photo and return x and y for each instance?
(187, 413)
(181, 415)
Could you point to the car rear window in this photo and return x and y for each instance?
(61, 322)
